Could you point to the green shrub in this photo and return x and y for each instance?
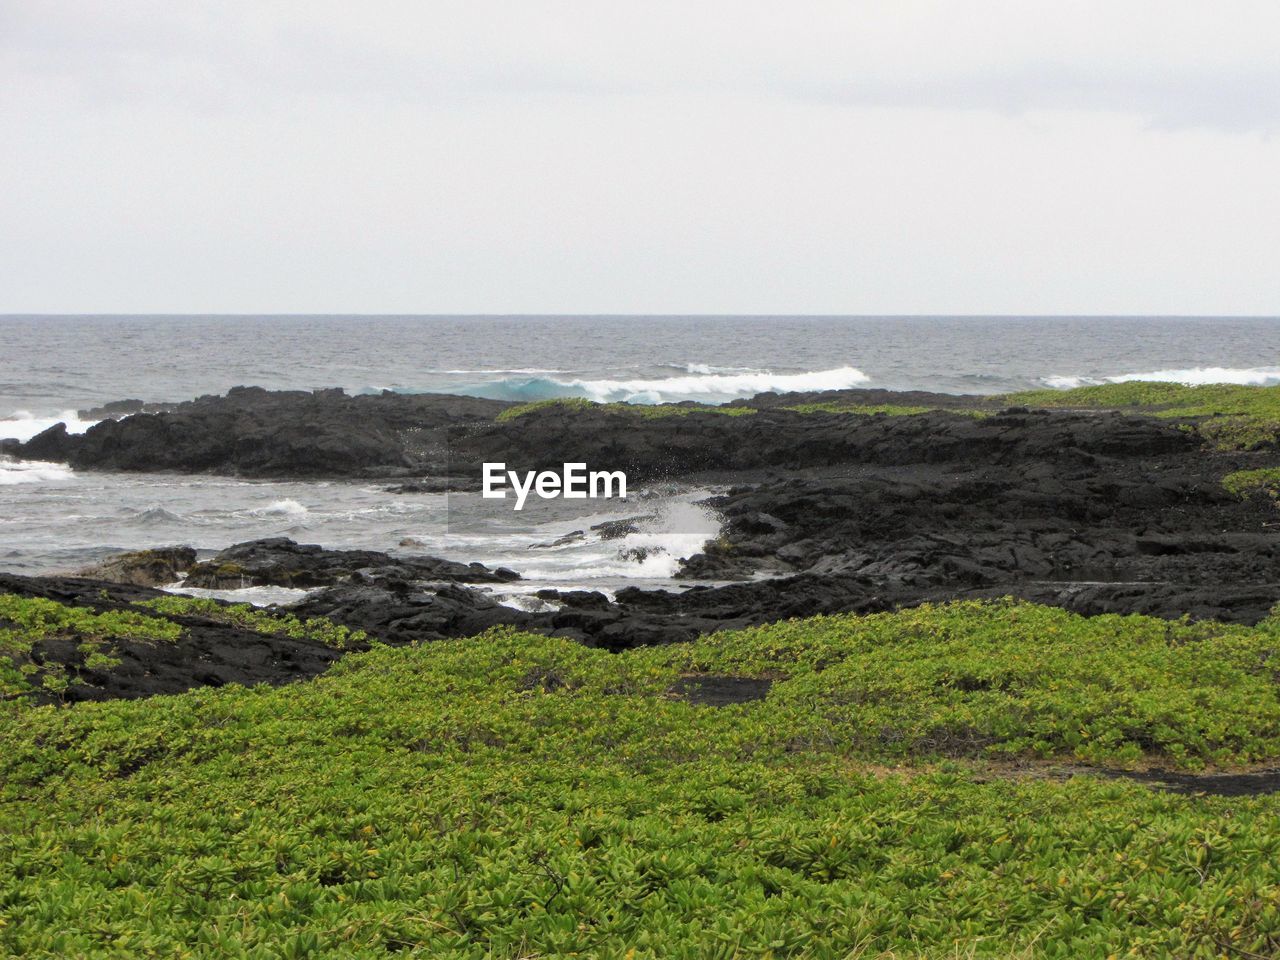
(28, 622)
(248, 617)
(522, 796)
(1229, 417)
(1247, 483)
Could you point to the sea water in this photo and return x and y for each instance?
(53, 518)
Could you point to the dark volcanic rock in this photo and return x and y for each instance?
(1093, 512)
(279, 561)
(617, 529)
(657, 449)
(124, 408)
(208, 654)
(1248, 784)
(711, 690)
(436, 485)
(144, 568)
(400, 610)
(255, 432)
(53, 444)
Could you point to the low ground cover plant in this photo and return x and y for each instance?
(513, 795)
(248, 617)
(1229, 417)
(27, 623)
(1247, 483)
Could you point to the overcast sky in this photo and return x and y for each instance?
(707, 157)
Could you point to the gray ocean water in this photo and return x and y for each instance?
(52, 518)
(51, 364)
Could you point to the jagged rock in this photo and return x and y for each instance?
(617, 529)
(209, 654)
(54, 444)
(144, 568)
(261, 433)
(279, 561)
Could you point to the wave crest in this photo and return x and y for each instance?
(14, 472)
(1190, 376)
(23, 424)
(280, 508)
(704, 387)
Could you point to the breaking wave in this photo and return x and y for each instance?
(676, 531)
(709, 387)
(14, 472)
(23, 424)
(1191, 376)
(257, 596)
(280, 508)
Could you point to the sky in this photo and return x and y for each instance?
(605, 157)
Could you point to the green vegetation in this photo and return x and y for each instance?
(1228, 417)
(521, 796)
(1246, 483)
(1243, 418)
(645, 411)
(248, 617)
(45, 645)
(28, 623)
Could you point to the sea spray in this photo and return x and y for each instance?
(23, 424)
(1189, 376)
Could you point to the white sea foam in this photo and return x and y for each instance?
(706, 368)
(258, 596)
(280, 508)
(14, 472)
(714, 386)
(1068, 383)
(700, 381)
(1191, 376)
(526, 602)
(677, 531)
(1195, 376)
(23, 424)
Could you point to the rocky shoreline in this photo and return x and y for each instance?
(826, 512)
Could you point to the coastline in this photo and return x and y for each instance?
(853, 501)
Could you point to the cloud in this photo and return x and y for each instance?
(1173, 64)
(1238, 102)
(663, 157)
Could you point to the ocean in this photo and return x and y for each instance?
(53, 519)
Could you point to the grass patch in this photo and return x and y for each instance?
(27, 623)
(522, 796)
(248, 617)
(644, 411)
(1247, 483)
(1242, 418)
